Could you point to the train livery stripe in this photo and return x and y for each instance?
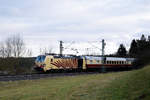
(66, 63)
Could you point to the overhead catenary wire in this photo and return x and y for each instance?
(76, 49)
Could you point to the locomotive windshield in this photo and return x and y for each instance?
(40, 58)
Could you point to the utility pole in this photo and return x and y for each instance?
(103, 55)
(61, 48)
(103, 47)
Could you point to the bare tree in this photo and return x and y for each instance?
(49, 49)
(8, 47)
(46, 50)
(13, 46)
(18, 46)
(29, 53)
(2, 50)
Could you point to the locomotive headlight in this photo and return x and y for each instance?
(42, 65)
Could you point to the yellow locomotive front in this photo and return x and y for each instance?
(40, 63)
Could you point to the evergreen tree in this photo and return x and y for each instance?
(133, 48)
(143, 38)
(142, 45)
(148, 38)
(142, 53)
(122, 52)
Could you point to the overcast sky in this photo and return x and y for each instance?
(43, 23)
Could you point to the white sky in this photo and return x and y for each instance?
(43, 23)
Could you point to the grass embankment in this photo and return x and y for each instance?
(131, 85)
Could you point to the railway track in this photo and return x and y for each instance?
(39, 76)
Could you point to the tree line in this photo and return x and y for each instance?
(139, 49)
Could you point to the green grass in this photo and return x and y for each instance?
(129, 85)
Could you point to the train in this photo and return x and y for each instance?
(48, 62)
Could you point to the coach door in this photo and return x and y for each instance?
(80, 63)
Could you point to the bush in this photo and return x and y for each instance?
(16, 65)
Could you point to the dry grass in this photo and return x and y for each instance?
(132, 85)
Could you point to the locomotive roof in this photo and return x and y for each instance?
(65, 56)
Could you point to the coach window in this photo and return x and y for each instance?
(51, 60)
(126, 62)
(120, 62)
(114, 62)
(91, 61)
(107, 62)
(97, 61)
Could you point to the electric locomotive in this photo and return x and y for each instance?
(70, 62)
